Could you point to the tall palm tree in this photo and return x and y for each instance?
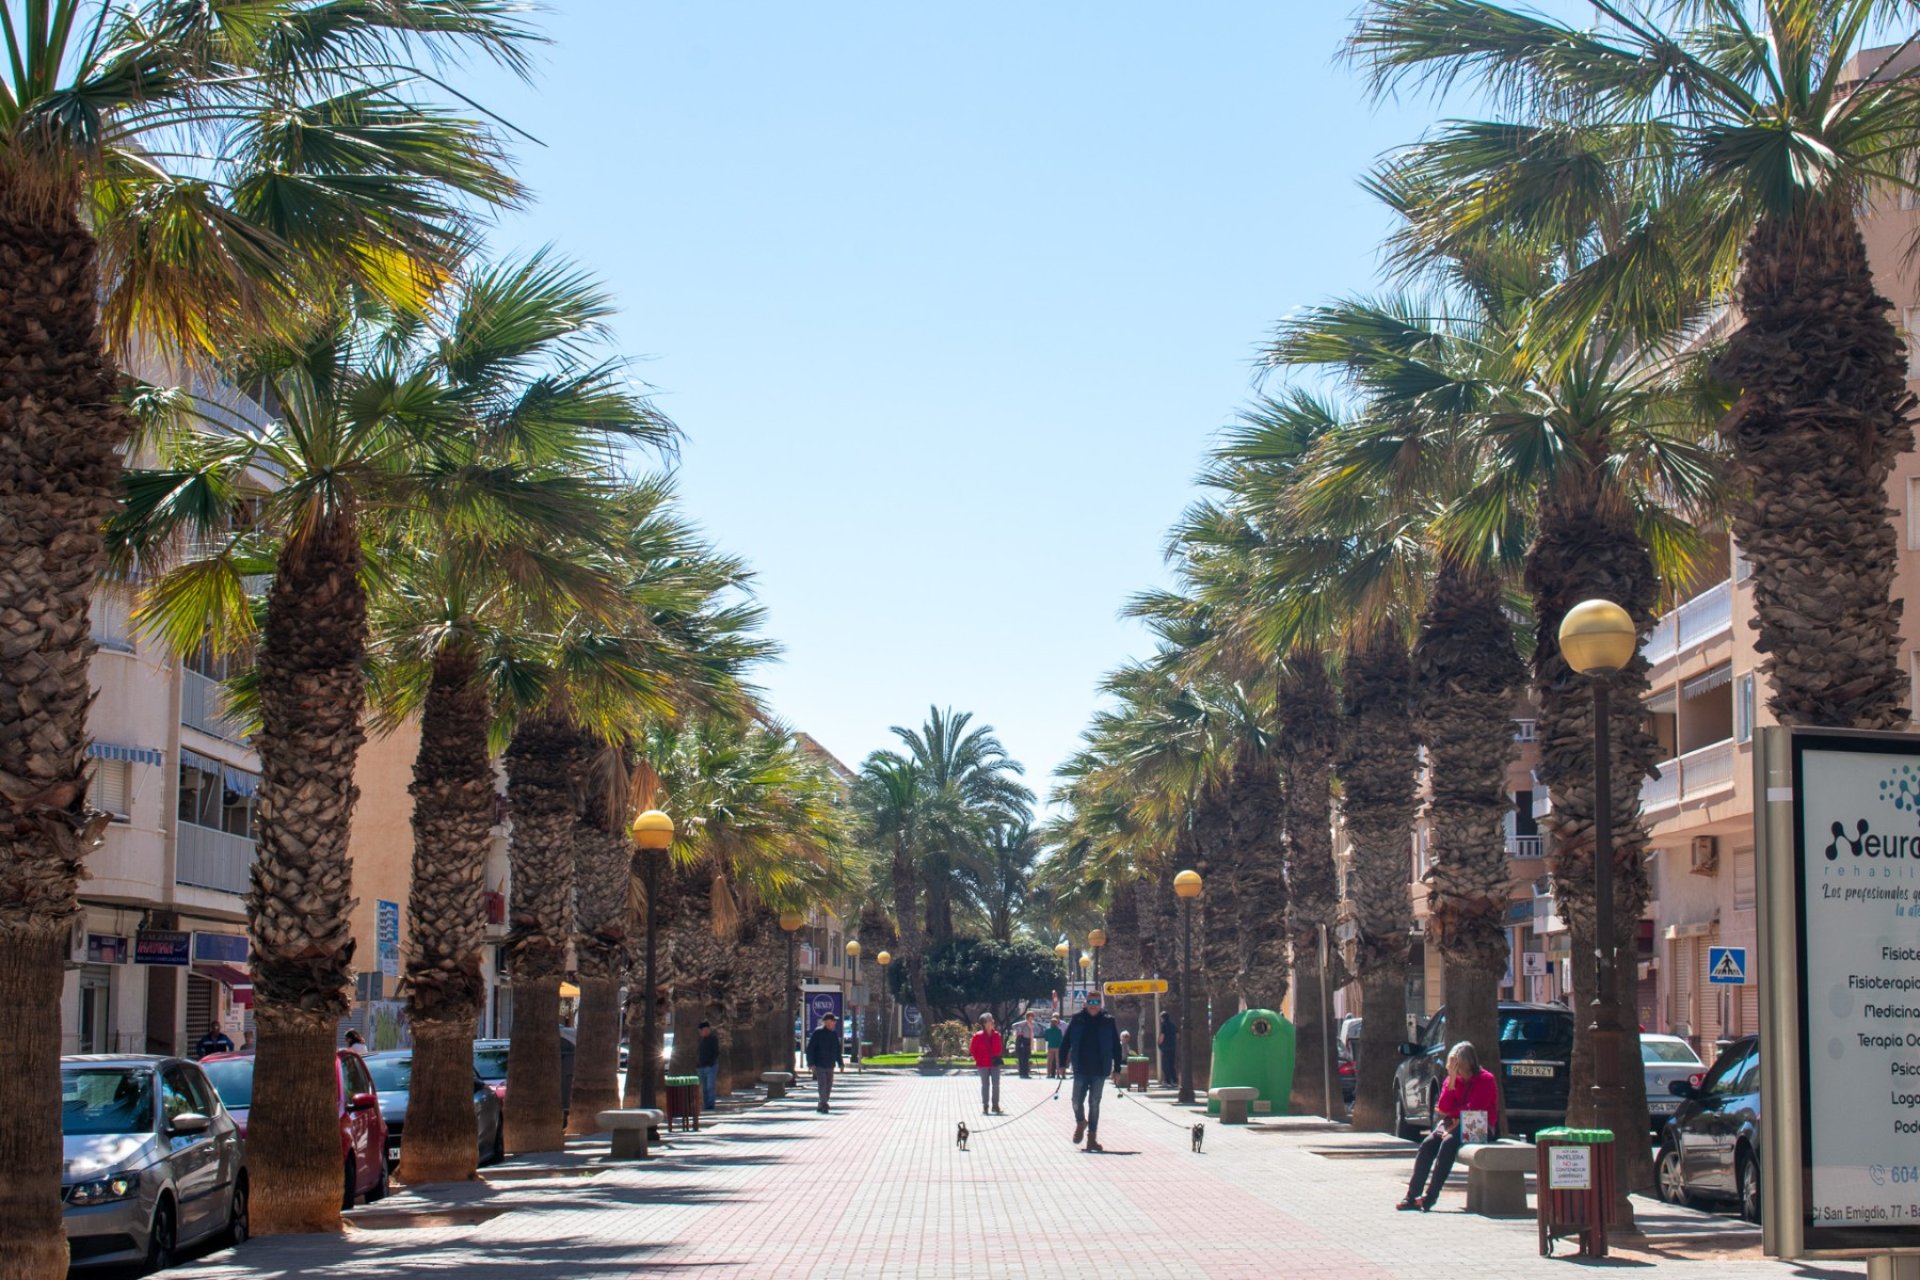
(1762, 129)
(999, 887)
(374, 431)
(118, 226)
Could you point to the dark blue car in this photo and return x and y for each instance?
(1710, 1149)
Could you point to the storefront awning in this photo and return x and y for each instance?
(234, 979)
(133, 755)
(1707, 683)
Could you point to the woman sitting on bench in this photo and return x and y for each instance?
(1470, 1088)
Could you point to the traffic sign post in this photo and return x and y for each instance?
(1139, 987)
(1727, 966)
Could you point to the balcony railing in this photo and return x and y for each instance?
(1524, 847)
(213, 859)
(203, 707)
(1689, 776)
(1524, 730)
(1701, 618)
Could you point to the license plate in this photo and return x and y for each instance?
(1530, 1069)
(393, 1153)
(1663, 1106)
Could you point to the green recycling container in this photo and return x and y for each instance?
(1255, 1048)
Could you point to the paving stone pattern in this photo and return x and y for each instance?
(879, 1190)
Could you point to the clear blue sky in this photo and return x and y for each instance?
(950, 301)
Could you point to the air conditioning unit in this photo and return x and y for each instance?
(1706, 855)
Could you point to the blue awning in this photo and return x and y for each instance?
(133, 755)
(235, 779)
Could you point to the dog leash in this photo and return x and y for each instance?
(1052, 1097)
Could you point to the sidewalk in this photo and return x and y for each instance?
(879, 1190)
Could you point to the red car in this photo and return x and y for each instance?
(363, 1132)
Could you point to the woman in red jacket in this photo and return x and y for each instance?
(986, 1047)
(1470, 1088)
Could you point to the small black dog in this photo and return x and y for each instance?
(963, 1135)
(1199, 1136)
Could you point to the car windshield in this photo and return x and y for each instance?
(1668, 1051)
(96, 1100)
(490, 1063)
(1531, 1032)
(233, 1081)
(391, 1075)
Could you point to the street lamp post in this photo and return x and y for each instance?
(792, 922)
(1186, 886)
(652, 837)
(1096, 940)
(853, 950)
(884, 959)
(1598, 638)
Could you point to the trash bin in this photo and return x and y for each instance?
(1575, 1193)
(682, 1101)
(1137, 1073)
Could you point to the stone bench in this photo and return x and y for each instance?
(1497, 1177)
(777, 1082)
(630, 1130)
(1234, 1100)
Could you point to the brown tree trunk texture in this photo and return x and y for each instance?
(544, 762)
(1216, 947)
(1585, 548)
(294, 1065)
(1377, 767)
(1467, 674)
(913, 939)
(1308, 734)
(453, 812)
(596, 1061)
(601, 874)
(312, 694)
(1823, 411)
(1257, 821)
(442, 1051)
(1119, 962)
(61, 431)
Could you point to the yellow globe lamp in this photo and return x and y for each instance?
(1187, 884)
(884, 959)
(793, 921)
(1597, 636)
(853, 948)
(1086, 962)
(1098, 938)
(653, 831)
(1060, 949)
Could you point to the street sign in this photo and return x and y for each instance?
(1138, 987)
(1727, 966)
(1533, 964)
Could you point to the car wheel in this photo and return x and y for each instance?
(1400, 1125)
(238, 1225)
(1673, 1185)
(379, 1189)
(1746, 1175)
(162, 1237)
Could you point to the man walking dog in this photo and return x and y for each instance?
(1092, 1052)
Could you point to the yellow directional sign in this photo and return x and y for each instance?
(1140, 987)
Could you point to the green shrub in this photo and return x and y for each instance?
(950, 1039)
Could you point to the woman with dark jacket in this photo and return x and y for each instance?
(1469, 1088)
(823, 1055)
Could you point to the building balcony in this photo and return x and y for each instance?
(210, 859)
(1526, 847)
(203, 707)
(1525, 730)
(1705, 616)
(1689, 777)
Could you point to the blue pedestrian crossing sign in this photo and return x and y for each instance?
(1727, 966)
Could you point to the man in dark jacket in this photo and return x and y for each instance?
(706, 1065)
(823, 1055)
(1169, 1050)
(1093, 1052)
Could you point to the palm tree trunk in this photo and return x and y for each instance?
(1823, 413)
(62, 429)
(1467, 674)
(913, 940)
(1257, 814)
(453, 809)
(1586, 546)
(596, 1064)
(1307, 736)
(600, 953)
(544, 760)
(312, 693)
(1377, 774)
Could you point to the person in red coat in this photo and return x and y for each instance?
(1469, 1099)
(986, 1047)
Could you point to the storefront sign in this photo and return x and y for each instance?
(819, 1005)
(106, 948)
(220, 948)
(162, 946)
(387, 926)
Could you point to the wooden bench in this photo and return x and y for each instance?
(630, 1130)
(1497, 1178)
(1234, 1100)
(777, 1082)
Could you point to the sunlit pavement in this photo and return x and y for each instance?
(880, 1189)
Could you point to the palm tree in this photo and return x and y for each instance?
(1762, 130)
(375, 430)
(893, 810)
(1000, 888)
(120, 227)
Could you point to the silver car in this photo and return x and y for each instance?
(152, 1162)
(1666, 1059)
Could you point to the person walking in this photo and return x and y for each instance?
(1169, 1050)
(1023, 1033)
(986, 1047)
(1054, 1037)
(1470, 1089)
(706, 1065)
(824, 1056)
(1091, 1050)
(217, 1041)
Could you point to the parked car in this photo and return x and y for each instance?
(490, 1064)
(1666, 1059)
(363, 1134)
(393, 1081)
(1710, 1147)
(1349, 1078)
(151, 1161)
(1536, 1042)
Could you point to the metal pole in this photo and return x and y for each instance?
(856, 1011)
(792, 991)
(1326, 1028)
(649, 1020)
(1893, 1266)
(1605, 1029)
(1186, 1007)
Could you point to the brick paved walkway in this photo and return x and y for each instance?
(878, 1190)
